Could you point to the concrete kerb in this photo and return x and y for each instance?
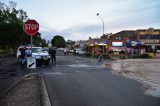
(15, 84)
(45, 100)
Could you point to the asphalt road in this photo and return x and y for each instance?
(76, 81)
(10, 73)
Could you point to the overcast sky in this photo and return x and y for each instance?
(77, 19)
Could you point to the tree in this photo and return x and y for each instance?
(70, 42)
(58, 41)
(11, 28)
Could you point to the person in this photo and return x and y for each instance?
(65, 51)
(23, 54)
(53, 55)
(28, 52)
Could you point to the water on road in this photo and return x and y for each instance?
(146, 71)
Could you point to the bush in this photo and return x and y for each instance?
(110, 52)
(106, 56)
(95, 56)
(135, 56)
(88, 54)
(145, 55)
(122, 57)
(122, 52)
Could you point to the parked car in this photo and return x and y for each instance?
(37, 52)
(79, 51)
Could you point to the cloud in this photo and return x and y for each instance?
(79, 20)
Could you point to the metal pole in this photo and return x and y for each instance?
(31, 42)
(31, 51)
(102, 21)
(103, 28)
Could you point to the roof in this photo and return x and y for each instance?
(125, 33)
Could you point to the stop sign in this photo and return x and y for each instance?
(31, 27)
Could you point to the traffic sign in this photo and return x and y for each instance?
(31, 27)
(31, 62)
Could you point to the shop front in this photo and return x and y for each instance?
(96, 47)
(116, 47)
(135, 47)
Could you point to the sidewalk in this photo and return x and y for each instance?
(25, 93)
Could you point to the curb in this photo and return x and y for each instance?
(14, 85)
(45, 100)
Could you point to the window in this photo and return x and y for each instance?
(148, 36)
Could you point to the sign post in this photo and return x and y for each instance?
(31, 62)
(31, 27)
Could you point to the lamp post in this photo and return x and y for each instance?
(102, 21)
(103, 27)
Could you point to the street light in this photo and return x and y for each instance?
(102, 22)
(103, 27)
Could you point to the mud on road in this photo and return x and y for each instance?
(146, 71)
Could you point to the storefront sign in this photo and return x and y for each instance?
(150, 41)
(134, 43)
(117, 44)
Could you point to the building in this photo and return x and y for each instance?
(137, 41)
(97, 45)
(130, 41)
(150, 37)
(117, 42)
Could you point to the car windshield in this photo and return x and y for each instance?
(35, 50)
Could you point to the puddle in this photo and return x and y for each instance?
(81, 72)
(145, 71)
(54, 73)
(79, 61)
(83, 65)
(29, 78)
(152, 89)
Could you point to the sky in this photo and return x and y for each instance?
(77, 19)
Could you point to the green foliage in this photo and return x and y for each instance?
(95, 56)
(122, 57)
(145, 55)
(11, 28)
(58, 41)
(70, 42)
(88, 54)
(106, 56)
(11, 31)
(122, 52)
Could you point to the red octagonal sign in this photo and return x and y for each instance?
(31, 27)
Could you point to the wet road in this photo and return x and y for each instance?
(10, 73)
(76, 81)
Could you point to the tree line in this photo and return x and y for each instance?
(11, 28)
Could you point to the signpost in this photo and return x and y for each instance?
(31, 27)
(31, 62)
